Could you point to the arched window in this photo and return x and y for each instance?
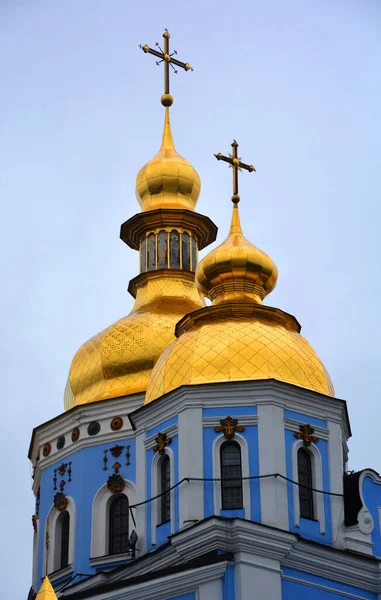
(306, 499)
(175, 249)
(61, 542)
(165, 484)
(185, 249)
(231, 476)
(151, 252)
(118, 525)
(162, 250)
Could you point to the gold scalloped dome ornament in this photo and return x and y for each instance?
(168, 180)
(237, 338)
(118, 361)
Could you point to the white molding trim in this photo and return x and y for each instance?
(100, 521)
(293, 425)
(155, 486)
(243, 420)
(324, 588)
(216, 456)
(36, 537)
(171, 431)
(317, 482)
(244, 393)
(176, 584)
(51, 561)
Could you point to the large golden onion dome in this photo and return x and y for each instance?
(237, 338)
(168, 180)
(118, 361)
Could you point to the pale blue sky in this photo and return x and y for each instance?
(296, 83)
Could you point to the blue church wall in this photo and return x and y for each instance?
(162, 427)
(314, 587)
(250, 434)
(228, 592)
(372, 498)
(309, 528)
(232, 411)
(87, 477)
(164, 530)
(190, 596)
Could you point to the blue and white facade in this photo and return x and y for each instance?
(265, 549)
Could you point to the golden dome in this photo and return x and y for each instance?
(168, 180)
(243, 347)
(237, 338)
(118, 360)
(236, 270)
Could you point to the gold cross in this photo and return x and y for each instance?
(168, 60)
(237, 165)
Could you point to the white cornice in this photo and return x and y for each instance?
(243, 393)
(244, 420)
(80, 417)
(175, 584)
(343, 567)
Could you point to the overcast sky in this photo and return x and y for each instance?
(296, 83)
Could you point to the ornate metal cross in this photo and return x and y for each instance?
(305, 434)
(236, 165)
(168, 60)
(229, 426)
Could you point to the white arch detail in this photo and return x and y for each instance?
(317, 482)
(52, 542)
(155, 490)
(216, 454)
(100, 517)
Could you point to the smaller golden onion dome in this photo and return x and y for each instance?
(168, 180)
(236, 271)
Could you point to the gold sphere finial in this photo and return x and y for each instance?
(167, 100)
(235, 198)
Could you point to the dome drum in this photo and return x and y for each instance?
(168, 249)
(202, 228)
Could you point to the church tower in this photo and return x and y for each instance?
(202, 453)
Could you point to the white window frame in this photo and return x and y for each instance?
(101, 516)
(52, 554)
(216, 454)
(156, 489)
(317, 483)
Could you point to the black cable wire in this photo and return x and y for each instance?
(275, 475)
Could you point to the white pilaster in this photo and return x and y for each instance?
(272, 459)
(191, 465)
(141, 491)
(257, 578)
(210, 591)
(336, 469)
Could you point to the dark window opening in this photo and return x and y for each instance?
(231, 476)
(175, 249)
(185, 248)
(165, 484)
(118, 525)
(65, 532)
(306, 499)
